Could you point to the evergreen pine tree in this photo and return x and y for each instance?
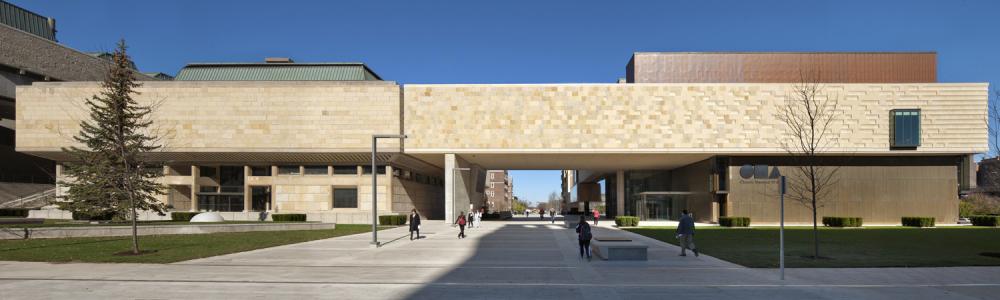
(109, 175)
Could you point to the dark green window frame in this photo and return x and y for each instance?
(905, 128)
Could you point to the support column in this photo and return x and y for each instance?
(195, 173)
(457, 194)
(59, 176)
(246, 189)
(620, 192)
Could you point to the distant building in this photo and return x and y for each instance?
(499, 191)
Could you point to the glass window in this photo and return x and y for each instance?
(288, 170)
(207, 171)
(316, 170)
(345, 198)
(905, 128)
(368, 170)
(260, 171)
(208, 189)
(345, 170)
(230, 176)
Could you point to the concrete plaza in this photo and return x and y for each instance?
(519, 259)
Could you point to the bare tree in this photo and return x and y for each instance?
(808, 114)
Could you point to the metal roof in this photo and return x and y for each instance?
(27, 21)
(276, 72)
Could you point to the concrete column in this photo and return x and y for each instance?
(620, 191)
(387, 200)
(59, 176)
(274, 190)
(457, 187)
(195, 173)
(246, 189)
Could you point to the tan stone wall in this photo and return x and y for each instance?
(253, 116)
(686, 118)
(879, 194)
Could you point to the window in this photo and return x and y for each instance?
(206, 171)
(260, 171)
(368, 170)
(345, 197)
(208, 189)
(345, 170)
(288, 170)
(316, 170)
(905, 128)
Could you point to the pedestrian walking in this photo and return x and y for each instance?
(541, 215)
(461, 225)
(552, 215)
(685, 233)
(414, 223)
(597, 216)
(471, 219)
(584, 235)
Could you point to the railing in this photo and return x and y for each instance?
(46, 196)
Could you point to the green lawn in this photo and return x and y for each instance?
(858, 247)
(68, 223)
(169, 248)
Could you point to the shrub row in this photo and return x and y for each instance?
(392, 219)
(82, 216)
(626, 221)
(991, 221)
(918, 221)
(288, 217)
(14, 212)
(183, 216)
(734, 221)
(842, 221)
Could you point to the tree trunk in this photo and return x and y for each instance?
(135, 228)
(812, 178)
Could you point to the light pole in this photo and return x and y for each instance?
(454, 191)
(781, 231)
(375, 181)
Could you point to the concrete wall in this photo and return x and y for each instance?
(678, 118)
(426, 198)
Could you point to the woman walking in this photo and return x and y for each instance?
(584, 235)
(414, 223)
(461, 225)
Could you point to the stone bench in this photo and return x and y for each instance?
(21, 221)
(571, 222)
(618, 248)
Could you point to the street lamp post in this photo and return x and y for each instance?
(375, 181)
(454, 191)
(781, 234)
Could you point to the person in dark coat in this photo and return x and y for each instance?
(414, 223)
(584, 235)
(685, 233)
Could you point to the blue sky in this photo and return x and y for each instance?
(523, 41)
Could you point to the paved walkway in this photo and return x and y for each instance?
(520, 259)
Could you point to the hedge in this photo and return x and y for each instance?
(392, 219)
(81, 216)
(288, 217)
(626, 221)
(842, 221)
(734, 221)
(991, 221)
(918, 221)
(14, 212)
(183, 216)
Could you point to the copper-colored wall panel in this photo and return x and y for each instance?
(846, 67)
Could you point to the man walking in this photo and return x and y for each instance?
(414, 223)
(685, 233)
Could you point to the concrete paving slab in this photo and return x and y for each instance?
(515, 259)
